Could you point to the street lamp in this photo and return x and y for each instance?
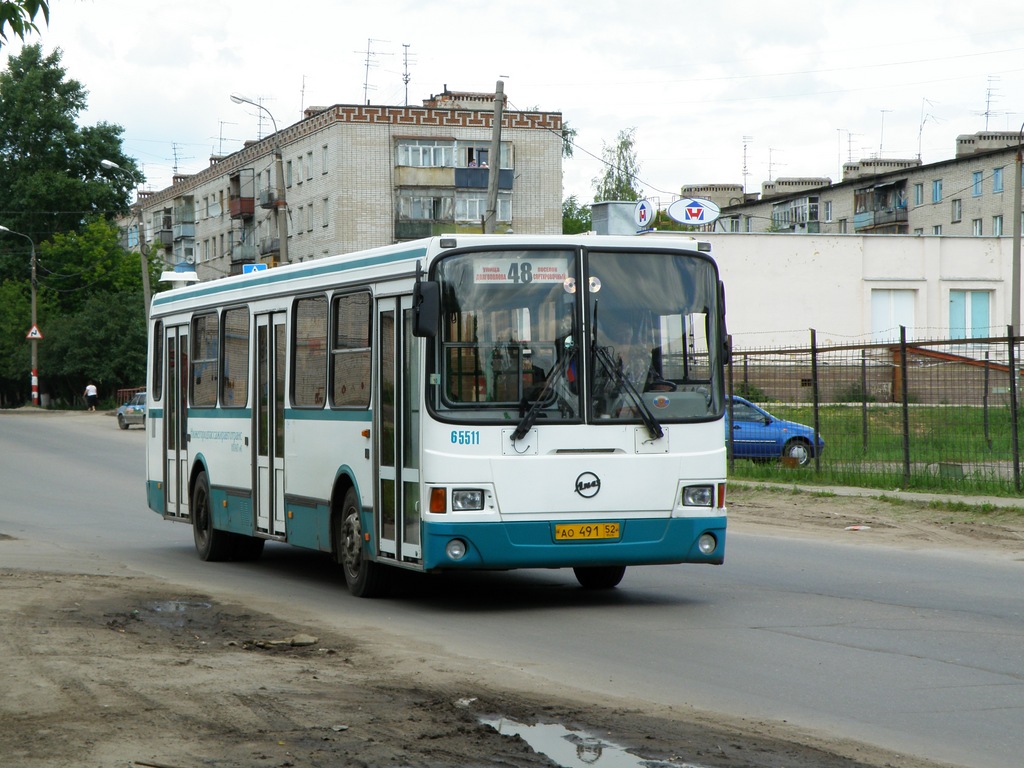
(34, 332)
(280, 204)
(110, 164)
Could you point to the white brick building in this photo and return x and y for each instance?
(971, 194)
(360, 176)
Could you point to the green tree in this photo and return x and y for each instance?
(51, 179)
(54, 189)
(575, 217)
(618, 182)
(19, 16)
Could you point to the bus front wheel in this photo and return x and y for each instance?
(599, 576)
(211, 544)
(364, 577)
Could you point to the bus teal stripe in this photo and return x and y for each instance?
(296, 414)
(271, 276)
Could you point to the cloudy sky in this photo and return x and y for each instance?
(802, 86)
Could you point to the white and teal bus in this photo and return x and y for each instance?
(460, 402)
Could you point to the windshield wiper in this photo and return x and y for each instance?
(526, 422)
(653, 427)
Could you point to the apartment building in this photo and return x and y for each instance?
(359, 176)
(971, 195)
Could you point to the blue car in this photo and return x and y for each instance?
(758, 435)
(132, 412)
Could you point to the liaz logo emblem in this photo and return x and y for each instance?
(588, 485)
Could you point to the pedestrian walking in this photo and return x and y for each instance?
(92, 395)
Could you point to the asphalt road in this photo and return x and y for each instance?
(921, 652)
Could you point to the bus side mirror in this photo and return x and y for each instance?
(723, 333)
(426, 308)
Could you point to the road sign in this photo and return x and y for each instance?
(247, 268)
(34, 333)
(694, 211)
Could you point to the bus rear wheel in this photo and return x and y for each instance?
(211, 544)
(364, 577)
(599, 576)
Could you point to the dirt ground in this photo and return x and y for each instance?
(106, 671)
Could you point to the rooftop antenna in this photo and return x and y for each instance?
(881, 134)
(771, 165)
(302, 98)
(924, 119)
(369, 61)
(990, 94)
(177, 157)
(406, 77)
(746, 143)
(220, 138)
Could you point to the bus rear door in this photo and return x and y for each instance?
(176, 421)
(268, 426)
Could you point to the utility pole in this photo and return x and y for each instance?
(494, 167)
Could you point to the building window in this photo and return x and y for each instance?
(976, 183)
(323, 159)
(956, 210)
(828, 210)
(288, 173)
(976, 227)
(309, 165)
(326, 219)
(937, 229)
(890, 309)
(919, 231)
(997, 179)
(842, 226)
(309, 217)
(426, 153)
(937, 190)
(734, 225)
(969, 314)
(997, 226)
(919, 193)
(468, 208)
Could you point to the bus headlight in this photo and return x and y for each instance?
(699, 496)
(455, 549)
(707, 543)
(467, 499)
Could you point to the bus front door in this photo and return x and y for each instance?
(268, 427)
(176, 421)
(397, 511)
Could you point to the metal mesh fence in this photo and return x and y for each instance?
(938, 415)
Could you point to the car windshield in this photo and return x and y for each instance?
(565, 336)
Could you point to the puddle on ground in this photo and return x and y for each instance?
(173, 613)
(575, 749)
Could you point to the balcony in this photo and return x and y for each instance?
(184, 230)
(269, 245)
(243, 253)
(477, 178)
(880, 218)
(241, 207)
(268, 198)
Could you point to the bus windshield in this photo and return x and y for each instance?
(565, 336)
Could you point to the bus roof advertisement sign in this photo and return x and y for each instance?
(693, 211)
